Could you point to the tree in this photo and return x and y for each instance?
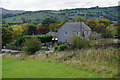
(6, 35)
(52, 27)
(117, 25)
(93, 24)
(80, 20)
(104, 21)
(109, 32)
(32, 45)
(25, 28)
(47, 22)
(5, 25)
(101, 28)
(25, 20)
(55, 26)
(41, 30)
(40, 24)
(17, 30)
(32, 30)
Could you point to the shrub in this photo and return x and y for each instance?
(32, 45)
(43, 39)
(61, 47)
(78, 42)
(91, 37)
(10, 44)
(107, 34)
(19, 41)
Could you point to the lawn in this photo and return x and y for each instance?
(0, 66)
(41, 69)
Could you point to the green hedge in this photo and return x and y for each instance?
(43, 39)
(19, 41)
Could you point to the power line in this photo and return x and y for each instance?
(87, 3)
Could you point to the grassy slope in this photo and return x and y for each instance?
(0, 66)
(41, 69)
(32, 16)
(108, 13)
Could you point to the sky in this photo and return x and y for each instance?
(34, 5)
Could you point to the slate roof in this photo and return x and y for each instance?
(52, 33)
(76, 26)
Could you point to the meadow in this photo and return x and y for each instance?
(0, 66)
(41, 69)
(90, 63)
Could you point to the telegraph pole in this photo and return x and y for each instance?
(80, 28)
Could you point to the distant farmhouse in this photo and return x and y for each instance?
(73, 29)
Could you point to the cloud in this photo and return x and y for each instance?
(54, 4)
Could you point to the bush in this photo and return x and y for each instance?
(10, 44)
(61, 47)
(19, 41)
(79, 42)
(32, 45)
(43, 39)
(107, 34)
(91, 37)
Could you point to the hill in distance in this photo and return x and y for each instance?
(5, 11)
(110, 13)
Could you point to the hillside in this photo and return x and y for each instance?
(10, 13)
(110, 13)
(5, 11)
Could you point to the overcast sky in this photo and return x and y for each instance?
(33, 5)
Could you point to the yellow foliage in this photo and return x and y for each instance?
(17, 30)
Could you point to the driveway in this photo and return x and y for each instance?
(9, 50)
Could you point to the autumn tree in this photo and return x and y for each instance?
(93, 24)
(104, 21)
(52, 27)
(32, 30)
(55, 26)
(79, 19)
(25, 28)
(41, 30)
(17, 30)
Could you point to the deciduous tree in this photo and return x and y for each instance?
(17, 30)
(32, 30)
(104, 21)
(6, 35)
(93, 24)
(41, 30)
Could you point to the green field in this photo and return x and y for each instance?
(0, 66)
(109, 13)
(41, 69)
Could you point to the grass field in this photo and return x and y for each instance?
(0, 66)
(41, 69)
